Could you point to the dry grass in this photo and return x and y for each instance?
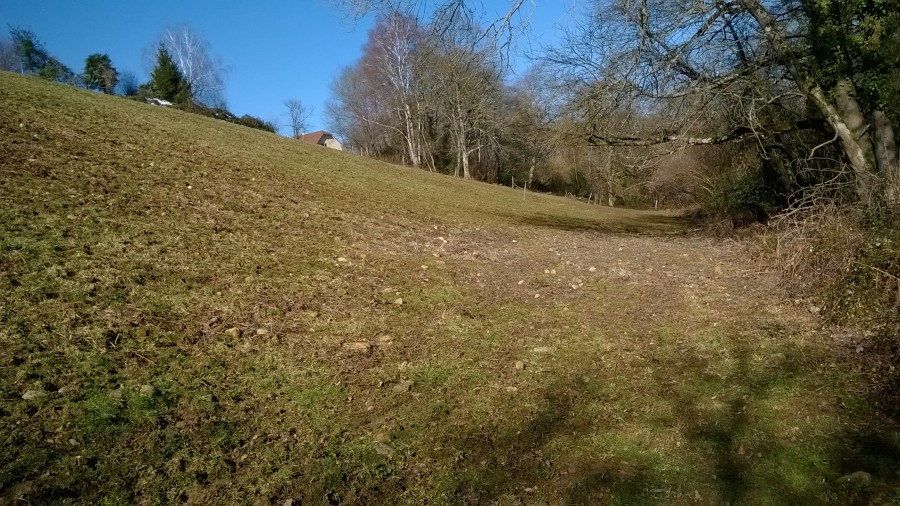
(653, 367)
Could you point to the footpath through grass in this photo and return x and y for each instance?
(197, 312)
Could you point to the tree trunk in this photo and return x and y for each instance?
(887, 156)
(863, 170)
(610, 197)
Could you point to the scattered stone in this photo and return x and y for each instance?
(512, 390)
(398, 302)
(385, 450)
(73, 442)
(146, 390)
(521, 282)
(520, 365)
(384, 340)
(553, 271)
(341, 259)
(537, 296)
(815, 309)
(592, 269)
(359, 347)
(574, 287)
(288, 502)
(262, 332)
(424, 267)
(546, 271)
(33, 394)
(859, 478)
(402, 386)
(233, 332)
(543, 349)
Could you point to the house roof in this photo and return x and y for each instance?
(316, 137)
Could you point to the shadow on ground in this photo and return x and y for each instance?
(732, 448)
(638, 223)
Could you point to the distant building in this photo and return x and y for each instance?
(322, 138)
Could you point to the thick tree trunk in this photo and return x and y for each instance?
(863, 169)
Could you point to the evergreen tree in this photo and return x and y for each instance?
(99, 73)
(166, 80)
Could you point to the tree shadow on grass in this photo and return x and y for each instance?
(735, 449)
(639, 223)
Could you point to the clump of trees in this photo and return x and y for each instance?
(184, 72)
(747, 107)
(99, 73)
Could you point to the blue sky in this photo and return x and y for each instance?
(276, 49)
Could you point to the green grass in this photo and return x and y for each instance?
(133, 237)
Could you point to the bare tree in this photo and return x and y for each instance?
(9, 60)
(203, 71)
(299, 115)
(721, 72)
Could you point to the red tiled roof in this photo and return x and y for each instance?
(316, 137)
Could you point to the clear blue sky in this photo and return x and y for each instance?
(277, 49)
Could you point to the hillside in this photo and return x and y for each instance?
(194, 311)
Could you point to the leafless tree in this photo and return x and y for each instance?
(299, 115)
(203, 71)
(9, 60)
(720, 72)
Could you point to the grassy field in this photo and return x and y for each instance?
(197, 312)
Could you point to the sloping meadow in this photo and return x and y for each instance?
(199, 312)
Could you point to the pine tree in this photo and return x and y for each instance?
(166, 80)
(99, 73)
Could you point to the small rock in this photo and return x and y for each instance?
(512, 389)
(546, 271)
(341, 259)
(574, 287)
(424, 267)
(553, 271)
(537, 296)
(73, 442)
(33, 394)
(385, 450)
(543, 349)
(520, 365)
(262, 332)
(288, 502)
(592, 269)
(360, 347)
(398, 302)
(815, 309)
(402, 386)
(146, 390)
(384, 340)
(521, 282)
(859, 478)
(233, 332)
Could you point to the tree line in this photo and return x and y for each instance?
(750, 106)
(185, 72)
